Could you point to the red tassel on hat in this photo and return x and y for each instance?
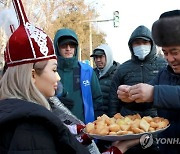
(28, 44)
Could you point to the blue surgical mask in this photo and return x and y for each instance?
(142, 51)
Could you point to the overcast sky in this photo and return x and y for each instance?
(132, 14)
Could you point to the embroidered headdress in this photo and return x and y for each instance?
(28, 44)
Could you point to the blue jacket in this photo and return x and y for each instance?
(167, 100)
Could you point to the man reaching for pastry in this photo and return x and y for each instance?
(164, 91)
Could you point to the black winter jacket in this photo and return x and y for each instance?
(135, 71)
(28, 128)
(105, 83)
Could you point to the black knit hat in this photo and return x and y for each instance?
(166, 30)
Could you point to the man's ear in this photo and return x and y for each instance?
(33, 75)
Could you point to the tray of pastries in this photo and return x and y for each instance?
(127, 127)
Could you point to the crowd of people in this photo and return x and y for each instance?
(47, 96)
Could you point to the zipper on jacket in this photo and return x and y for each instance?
(142, 75)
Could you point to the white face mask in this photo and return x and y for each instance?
(142, 51)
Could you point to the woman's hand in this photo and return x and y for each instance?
(123, 146)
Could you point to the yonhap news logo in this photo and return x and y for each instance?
(168, 140)
(146, 140)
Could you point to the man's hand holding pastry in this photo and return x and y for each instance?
(139, 93)
(123, 93)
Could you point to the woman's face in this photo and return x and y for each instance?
(47, 80)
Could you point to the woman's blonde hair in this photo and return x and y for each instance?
(17, 83)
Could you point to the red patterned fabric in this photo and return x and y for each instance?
(113, 150)
(83, 138)
(80, 128)
(28, 44)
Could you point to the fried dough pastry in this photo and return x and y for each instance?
(122, 125)
(144, 125)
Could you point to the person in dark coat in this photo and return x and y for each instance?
(142, 67)
(105, 69)
(164, 91)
